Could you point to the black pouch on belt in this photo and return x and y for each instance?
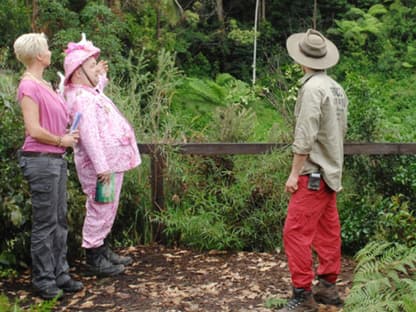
(314, 181)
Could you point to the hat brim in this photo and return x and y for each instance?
(330, 59)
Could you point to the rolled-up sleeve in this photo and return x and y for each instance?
(102, 82)
(308, 119)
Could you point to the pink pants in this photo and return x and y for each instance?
(312, 221)
(99, 217)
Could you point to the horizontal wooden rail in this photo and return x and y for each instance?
(379, 148)
(206, 149)
(260, 148)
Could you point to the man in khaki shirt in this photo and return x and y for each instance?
(312, 218)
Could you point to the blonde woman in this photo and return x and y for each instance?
(44, 166)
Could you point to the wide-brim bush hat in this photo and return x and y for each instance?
(77, 54)
(312, 50)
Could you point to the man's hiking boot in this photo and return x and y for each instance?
(99, 265)
(302, 301)
(115, 258)
(326, 293)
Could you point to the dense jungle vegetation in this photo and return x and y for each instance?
(181, 71)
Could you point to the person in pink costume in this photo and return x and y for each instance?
(108, 148)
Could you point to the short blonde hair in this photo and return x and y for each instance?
(28, 46)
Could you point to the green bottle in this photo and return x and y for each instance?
(105, 192)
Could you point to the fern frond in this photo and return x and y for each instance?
(377, 9)
(384, 279)
(370, 252)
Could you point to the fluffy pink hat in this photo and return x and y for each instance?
(77, 54)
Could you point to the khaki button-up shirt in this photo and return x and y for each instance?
(321, 124)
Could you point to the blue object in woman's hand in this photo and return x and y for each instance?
(74, 125)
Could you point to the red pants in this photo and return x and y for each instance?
(312, 221)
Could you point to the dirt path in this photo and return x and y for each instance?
(163, 279)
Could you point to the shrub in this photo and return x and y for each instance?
(14, 204)
(226, 203)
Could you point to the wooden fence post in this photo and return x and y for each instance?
(157, 163)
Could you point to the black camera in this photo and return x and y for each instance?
(314, 181)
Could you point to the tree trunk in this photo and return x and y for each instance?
(220, 12)
(115, 6)
(158, 19)
(35, 13)
(263, 10)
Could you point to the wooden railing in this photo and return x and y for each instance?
(206, 149)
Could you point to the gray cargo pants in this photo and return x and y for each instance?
(47, 179)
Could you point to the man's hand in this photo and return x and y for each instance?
(297, 165)
(291, 185)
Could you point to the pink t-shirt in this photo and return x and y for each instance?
(53, 114)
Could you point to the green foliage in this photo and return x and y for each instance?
(366, 204)
(275, 303)
(100, 25)
(6, 273)
(387, 34)
(195, 99)
(281, 89)
(405, 176)
(360, 27)
(397, 223)
(384, 279)
(146, 96)
(165, 82)
(14, 206)
(44, 306)
(240, 36)
(226, 203)
(135, 223)
(364, 109)
(145, 100)
(379, 192)
(206, 229)
(203, 92)
(233, 124)
(396, 98)
(56, 11)
(14, 18)
(208, 106)
(7, 306)
(76, 210)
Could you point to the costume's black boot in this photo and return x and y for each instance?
(99, 265)
(115, 258)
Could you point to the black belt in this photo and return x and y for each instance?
(41, 154)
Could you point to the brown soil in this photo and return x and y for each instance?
(164, 279)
